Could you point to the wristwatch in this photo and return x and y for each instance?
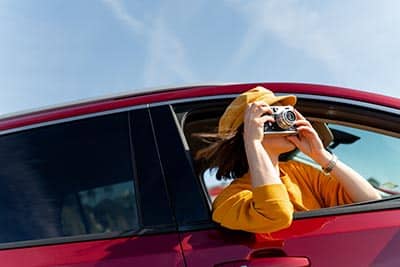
(332, 163)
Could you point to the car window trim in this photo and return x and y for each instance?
(299, 96)
(361, 207)
(160, 229)
(70, 119)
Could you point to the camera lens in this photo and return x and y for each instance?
(290, 116)
(286, 119)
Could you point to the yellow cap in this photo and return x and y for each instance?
(234, 114)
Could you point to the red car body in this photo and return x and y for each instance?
(359, 235)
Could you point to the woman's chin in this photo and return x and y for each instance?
(288, 148)
(279, 144)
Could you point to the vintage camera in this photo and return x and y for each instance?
(284, 121)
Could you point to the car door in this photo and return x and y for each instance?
(361, 234)
(85, 191)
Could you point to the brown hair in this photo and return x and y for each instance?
(226, 154)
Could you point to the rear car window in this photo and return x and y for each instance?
(74, 178)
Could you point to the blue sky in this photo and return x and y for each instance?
(54, 51)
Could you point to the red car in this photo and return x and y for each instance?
(113, 182)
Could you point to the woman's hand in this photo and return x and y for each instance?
(308, 141)
(262, 170)
(257, 113)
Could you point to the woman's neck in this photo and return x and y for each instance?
(274, 159)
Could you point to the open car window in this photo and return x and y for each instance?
(374, 155)
(367, 148)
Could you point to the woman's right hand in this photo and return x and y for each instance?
(262, 170)
(256, 115)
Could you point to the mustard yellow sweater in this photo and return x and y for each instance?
(270, 208)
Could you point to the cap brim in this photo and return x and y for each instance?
(287, 100)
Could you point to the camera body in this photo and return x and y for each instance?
(284, 121)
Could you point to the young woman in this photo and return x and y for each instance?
(265, 191)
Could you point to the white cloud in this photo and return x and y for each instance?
(121, 13)
(356, 40)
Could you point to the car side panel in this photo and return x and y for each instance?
(163, 250)
(365, 239)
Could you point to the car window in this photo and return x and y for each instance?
(372, 154)
(98, 210)
(67, 179)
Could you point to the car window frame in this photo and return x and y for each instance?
(311, 106)
(184, 189)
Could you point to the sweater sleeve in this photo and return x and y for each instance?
(333, 193)
(329, 189)
(262, 209)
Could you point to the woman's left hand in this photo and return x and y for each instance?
(307, 139)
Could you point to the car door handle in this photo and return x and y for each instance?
(268, 262)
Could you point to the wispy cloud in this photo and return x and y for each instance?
(356, 40)
(290, 23)
(166, 60)
(121, 13)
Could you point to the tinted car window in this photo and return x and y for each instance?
(67, 179)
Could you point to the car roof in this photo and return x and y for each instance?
(159, 95)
